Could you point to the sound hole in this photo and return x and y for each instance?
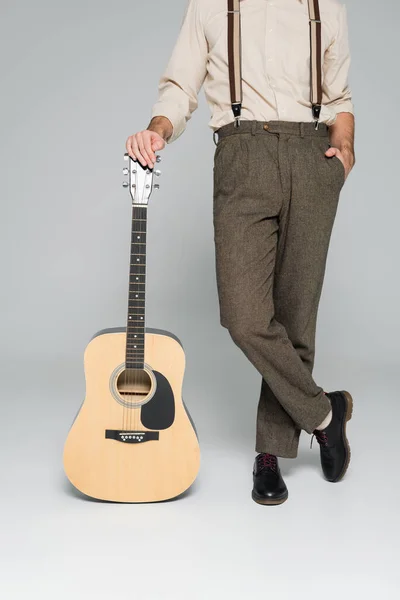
(134, 385)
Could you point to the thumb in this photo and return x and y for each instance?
(157, 143)
(331, 151)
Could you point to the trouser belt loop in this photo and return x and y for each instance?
(254, 127)
(214, 133)
(302, 129)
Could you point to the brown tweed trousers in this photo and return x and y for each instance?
(274, 204)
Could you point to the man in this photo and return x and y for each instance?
(277, 181)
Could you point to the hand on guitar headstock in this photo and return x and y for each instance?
(140, 179)
(142, 145)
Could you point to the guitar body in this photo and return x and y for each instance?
(132, 441)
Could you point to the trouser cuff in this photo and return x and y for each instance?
(283, 444)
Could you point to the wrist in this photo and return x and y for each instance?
(162, 126)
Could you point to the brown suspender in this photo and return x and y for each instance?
(315, 58)
(235, 58)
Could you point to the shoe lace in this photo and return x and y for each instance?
(267, 461)
(321, 438)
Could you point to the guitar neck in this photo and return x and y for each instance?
(135, 329)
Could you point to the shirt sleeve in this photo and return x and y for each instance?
(184, 75)
(336, 92)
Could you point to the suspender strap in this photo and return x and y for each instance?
(235, 58)
(315, 62)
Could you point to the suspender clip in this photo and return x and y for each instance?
(237, 109)
(316, 111)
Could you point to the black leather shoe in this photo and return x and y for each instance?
(268, 485)
(334, 445)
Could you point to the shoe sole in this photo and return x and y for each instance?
(348, 415)
(268, 501)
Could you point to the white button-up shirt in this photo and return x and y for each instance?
(275, 63)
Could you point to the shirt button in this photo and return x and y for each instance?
(265, 126)
(269, 59)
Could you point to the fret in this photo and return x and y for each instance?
(134, 365)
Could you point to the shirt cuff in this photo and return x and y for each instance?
(171, 112)
(344, 106)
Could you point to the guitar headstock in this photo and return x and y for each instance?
(140, 180)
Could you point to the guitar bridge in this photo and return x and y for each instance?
(131, 437)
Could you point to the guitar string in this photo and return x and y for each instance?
(134, 165)
(136, 227)
(141, 296)
(135, 222)
(143, 240)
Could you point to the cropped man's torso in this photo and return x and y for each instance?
(275, 62)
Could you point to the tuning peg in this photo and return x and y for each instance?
(125, 171)
(158, 158)
(125, 184)
(157, 172)
(126, 156)
(156, 186)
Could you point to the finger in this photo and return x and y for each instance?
(142, 148)
(129, 147)
(147, 139)
(137, 152)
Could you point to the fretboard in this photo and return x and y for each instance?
(134, 357)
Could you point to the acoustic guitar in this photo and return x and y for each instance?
(133, 439)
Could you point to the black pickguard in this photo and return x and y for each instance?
(159, 412)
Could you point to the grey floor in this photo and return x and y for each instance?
(328, 540)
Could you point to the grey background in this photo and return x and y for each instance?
(78, 77)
